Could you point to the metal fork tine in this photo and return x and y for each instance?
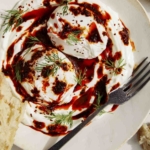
(136, 85)
(135, 77)
(137, 68)
(138, 89)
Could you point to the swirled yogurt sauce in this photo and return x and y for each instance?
(64, 58)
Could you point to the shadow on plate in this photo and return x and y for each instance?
(50, 142)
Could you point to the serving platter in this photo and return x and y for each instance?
(110, 131)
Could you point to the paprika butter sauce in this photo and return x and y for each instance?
(60, 77)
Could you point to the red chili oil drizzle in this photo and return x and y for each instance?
(107, 53)
(83, 101)
(64, 66)
(55, 25)
(39, 17)
(59, 87)
(66, 105)
(115, 87)
(38, 14)
(46, 3)
(89, 10)
(52, 16)
(26, 70)
(19, 29)
(114, 107)
(10, 50)
(45, 85)
(85, 9)
(46, 71)
(67, 29)
(80, 10)
(100, 72)
(125, 36)
(93, 35)
(38, 125)
(86, 66)
(85, 113)
(19, 89)
(117, 55)
(108, 81)
(43, 37)
(100, 88)
(54, 130)
(49, 107)
(35, 92)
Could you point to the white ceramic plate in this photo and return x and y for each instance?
(111, 130)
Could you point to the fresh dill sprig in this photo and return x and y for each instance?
(54, 58)
(52, 61)
(97, 105)
(120, 63)
(77, 32)
(73, 38)
(65, 6)
(80, 76)
(13, 17)
(27, 51)
(109, 64)
(49, 69)
(65, 9)
(115, 66)
(63, 119)
(99, 97)
(17, 72)
(33, 40)
(102, 112)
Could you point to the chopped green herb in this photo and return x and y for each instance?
(80, 76)
(17, 72)
(97, 105)
(65, 6)
(115, 66)
(63, 119)
(27, 51)
(73, 37)
(99, 97)
(102, 112)
(13, 17)
(32, 40)
(55, 61)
